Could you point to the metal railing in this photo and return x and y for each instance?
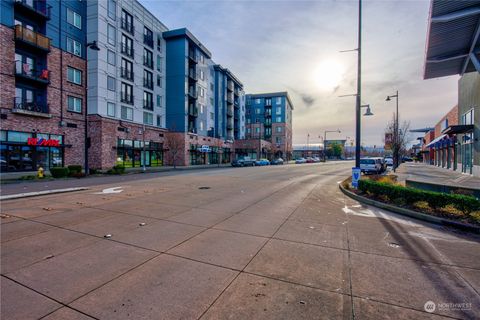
(148, 40)
(40, 7)
(126, 98)
(148, 104)
(26, 70)
(32, 37)
(20, 103)
(127, 50)
(148, 84)
(193, 57)
(126, 74)
(127, 26)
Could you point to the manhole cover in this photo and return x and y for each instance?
(203, 188)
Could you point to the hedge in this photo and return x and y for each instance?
(74, 169)
(435, 200)
(118, 169)
(59, 172)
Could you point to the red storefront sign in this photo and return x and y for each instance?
(40, 142)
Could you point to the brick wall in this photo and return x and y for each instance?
(452, 117)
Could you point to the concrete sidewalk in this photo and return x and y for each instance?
(423, 173)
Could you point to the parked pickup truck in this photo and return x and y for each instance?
(243, 162)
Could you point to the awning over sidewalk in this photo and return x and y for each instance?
(434, 141)
(458, 129)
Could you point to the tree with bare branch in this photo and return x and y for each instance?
(176, 146)
(399, 142)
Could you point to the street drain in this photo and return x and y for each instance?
(204, 188)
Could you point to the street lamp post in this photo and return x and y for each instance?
(359, 88)
(90, 45)
(325, 142)
(396, 138)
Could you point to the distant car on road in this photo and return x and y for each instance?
(277, 161)
(301, 160)
(310, 160)
(370, 165)
(383, 163)
(389, 161)
(262, 162)
(316, 159)
(243, 162)
(407, 159)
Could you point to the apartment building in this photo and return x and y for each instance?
(126, 88)
(201, 101)
(42, 96)
(269, 117)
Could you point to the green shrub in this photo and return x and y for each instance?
(59, 172)
(435, 200)
(118, 169)
(74, 169)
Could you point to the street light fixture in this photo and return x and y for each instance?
(369, 111)
(93, 46)
(324, 142)
(396, 140)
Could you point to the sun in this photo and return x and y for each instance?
(328, 74)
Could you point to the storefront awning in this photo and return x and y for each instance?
(458, 129)
(434, 141)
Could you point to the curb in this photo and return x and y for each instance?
(40, 193)
(410, 213)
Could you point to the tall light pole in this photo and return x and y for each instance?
(359, 88)
(88, 45)
(325, 142)
(396, 137)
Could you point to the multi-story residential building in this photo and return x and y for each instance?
(126, 88)
(201, 101)
(269, 117)
(42, 96)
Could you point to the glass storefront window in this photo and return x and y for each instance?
(56, 157)
(15, 136)
(43, 157)
(3, 135)
(128, 143)
(128, 162)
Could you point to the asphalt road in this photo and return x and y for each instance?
(235, 243)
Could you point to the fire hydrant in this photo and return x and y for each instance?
(40, 173)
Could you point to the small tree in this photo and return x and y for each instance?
(219, 146)
(176, 145)
(399, 143)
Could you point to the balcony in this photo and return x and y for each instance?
(148, 40)
(268, 114)
(147, 62)
(26, 72)
(193, 110)
(32, 39)
(229, 126)
(230, 98)
(192, 129)
(192, 94)
(148, 83)
(126, 74)
(193, 57)
(192, 75)
(126, 98)
(268, 123)
(268, 102)
(230, 86)
(236, 92)
(229, 113)
(126, 50)
(127, 26)
(148, 105)
(34, 8)
(31, 108)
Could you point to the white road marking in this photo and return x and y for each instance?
(110, 190)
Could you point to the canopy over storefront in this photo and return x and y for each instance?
(464, 128)
(453, 41)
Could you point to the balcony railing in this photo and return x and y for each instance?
(148, 40)
(236, 92)
(192, 110)
(148, 62)
(268, 113)
(127, 26)
(229, 98)
(126, 98)
(148, 104)
(229, 113)
(193, 57)
(192, 75)
(32, 38)
(127, 50)
(229, 126)
(268, 102)
(39, 8)
(126, 74)
(20, 104)
(268, 123)
(192, 93)
(148, 84)
(26, 71)
(230, 86)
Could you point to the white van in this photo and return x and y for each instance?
(370, 165)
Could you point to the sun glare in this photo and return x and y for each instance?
(329, 74)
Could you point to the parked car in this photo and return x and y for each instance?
(262, 162)
(243, 162)
(316, 159)
(310, 160)
(389, 161)
(382, 163)
(301, 160)
(370, 165)
(277, 161)
(407, 159)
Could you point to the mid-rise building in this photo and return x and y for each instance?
(269, 117)
(42, 96)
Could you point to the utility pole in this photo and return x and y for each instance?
(359, 87)
(144, 153)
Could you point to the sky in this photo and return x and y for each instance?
(295, 46)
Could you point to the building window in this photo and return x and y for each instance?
(111, 112)
(278, 110)
(249, 120)
(110, 83)
(202, 76)
(74, 18)
(212, 115)
(202, 92)
(147, 100)
(148, 37)
(112, 9)
(258, 101)
(111, 57)
(278, 140)
(159, 81)
(148, 58)
(74, 47)
(278, 129)
(148, 118)
(211, 87)
(74, 75)
(126, 70)
(126, 46)
(278, 100)
(211, 101)
(111, 34)
(257, 130)
(159, 43)
(74, 104)
(126, 94)
(159, 63)
(258, 110)
(127, 22)
(201, 125)
(278, 119)
(468, 117)
(249, 130)
(201, 108)
(159, 121)
(148, 79)
(159, 100)
(127, 113)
